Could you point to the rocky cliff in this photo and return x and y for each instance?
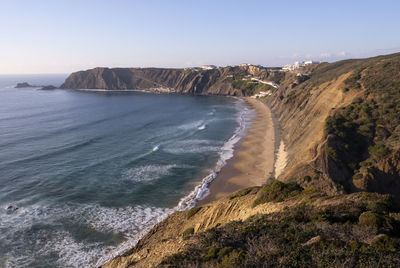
(219, 81)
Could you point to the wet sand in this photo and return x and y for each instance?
(253, 161)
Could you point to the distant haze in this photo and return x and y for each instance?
(64, 36)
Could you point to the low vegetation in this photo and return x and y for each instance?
(276, 191)
(358, 230)
(368, 130)
(240, 193)
(187, 233)
(249, 87)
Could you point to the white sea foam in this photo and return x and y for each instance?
(70, 252)
(145, 218)
(226, 152)
(147, 173)
(191, 125)
(193, 146)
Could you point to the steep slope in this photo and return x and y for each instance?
(279, 224)
(220, 81)
(341, 126)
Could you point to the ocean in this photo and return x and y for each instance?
(84, 174)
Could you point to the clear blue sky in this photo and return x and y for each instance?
(61, 36)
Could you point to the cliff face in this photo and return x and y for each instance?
(340, 126)
(302, 113)
(220, 81)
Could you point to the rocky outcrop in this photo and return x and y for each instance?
(26, 85)
(23, 85)
(217, 81)
(49, 87)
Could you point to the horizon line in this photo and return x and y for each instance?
(218, 66)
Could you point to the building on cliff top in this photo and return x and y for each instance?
(208, 67)
(298, 64)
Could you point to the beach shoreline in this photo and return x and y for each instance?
(254, 156)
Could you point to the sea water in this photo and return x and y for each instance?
(83, 175)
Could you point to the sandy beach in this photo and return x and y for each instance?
(253, 162)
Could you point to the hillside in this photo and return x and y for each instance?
(279, 225)
(336, 201)
(341, 126)
(220, 81)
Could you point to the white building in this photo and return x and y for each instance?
(298, 64)
(310, 62)
(208, 67)
(291, 67)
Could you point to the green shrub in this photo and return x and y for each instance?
(381, 206)
(240, 193)
(369, 218)
(187, 233)
(383, 242)
(354, 245)
(322, 216)
(191, 212)
(352, 80)
(234, 259)
(309, 190)
(378, 151)
(276, 191)
(331, 152)
(224, 251)
(352, 166)
(307, 178)
(358, 176)
(211, 254)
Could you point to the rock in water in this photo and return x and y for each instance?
(23, 85)
(50, 87)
